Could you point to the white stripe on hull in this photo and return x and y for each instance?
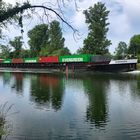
(124, 61)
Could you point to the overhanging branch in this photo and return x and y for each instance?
(5, 15)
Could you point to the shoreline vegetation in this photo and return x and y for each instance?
(138, 66)
(5, 126)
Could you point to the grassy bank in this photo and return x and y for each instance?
(5, 126)
(138, 66)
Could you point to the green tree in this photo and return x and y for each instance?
(134, 47)
(25, 53)
(38, 38)
(96, 41)
(56, 39)
(45, 51)
(17, 46)
(121, 51)
(5, 51)
(55, 46)
(80, 51)
(10, 13)
(61, 51)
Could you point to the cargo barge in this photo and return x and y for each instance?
(69, 63)
(125, 65)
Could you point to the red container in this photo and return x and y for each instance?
(49, 59)
(1, 60)
(17, 60)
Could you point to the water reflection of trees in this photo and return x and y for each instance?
(96, 86)
(6, 78)
(136, 87)
(17, 83)
(97, 111)
(15, 80)
(47, 90)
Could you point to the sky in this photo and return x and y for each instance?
(124, 19)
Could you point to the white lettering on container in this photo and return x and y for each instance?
(30, 61)
(72, 59)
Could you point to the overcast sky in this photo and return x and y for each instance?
(124, 19)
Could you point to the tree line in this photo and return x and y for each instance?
(47, 39)
(44, 40)
(130, 50)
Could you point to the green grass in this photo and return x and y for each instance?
(138, 66)
(4, 113)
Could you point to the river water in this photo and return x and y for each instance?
(74, 107)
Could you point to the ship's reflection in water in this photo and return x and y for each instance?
(80, 106)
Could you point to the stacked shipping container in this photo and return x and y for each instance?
(7, 61)
(59, 59)
(1, 60)
(17, 60)
(100, 59)
(75, 58)
(31, 60)
(49, 59)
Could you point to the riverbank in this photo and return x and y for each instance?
(138, 66)
(57, 71)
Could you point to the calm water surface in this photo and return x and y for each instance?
(78, 107)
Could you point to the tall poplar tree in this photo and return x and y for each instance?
(55, 45)
(56, 41)
(96, 41)
(56, 38)
(16, 44)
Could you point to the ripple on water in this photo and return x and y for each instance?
(128, 131)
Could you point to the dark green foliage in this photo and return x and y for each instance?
(80, 51)
(17, 46)
(134, 47)
(5, 52)
(56, 39)
(55, 46)
(45, 51)
(8, 11)
(43, 40)
(61, 51)
(121, 51)
(25, 53)
(38, 39)
(96, 41)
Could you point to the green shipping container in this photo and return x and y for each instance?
(31, 60)
(75, 58)
(7, 61)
